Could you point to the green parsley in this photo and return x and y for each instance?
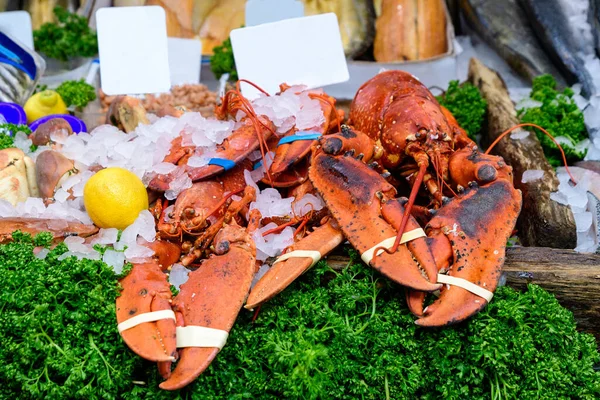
(331, 335)
(76, 93)
(222, 61)
(466, 104)
(68, 38)
(560, 116)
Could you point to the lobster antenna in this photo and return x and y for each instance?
(326, 99)
(407, 210)
(264, 148)
(545, 132)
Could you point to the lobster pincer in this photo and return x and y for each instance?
(469, 235)
(209, 302)
(357, 197)
(146, 321)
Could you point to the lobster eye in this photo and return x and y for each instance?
(486, 173)
(333, 146)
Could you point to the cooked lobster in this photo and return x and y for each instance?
(447, 235)
(468, 198)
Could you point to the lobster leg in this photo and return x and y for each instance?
(324, 239)
(146, 290)
(212, 298)
(33, 226)
(354, 195)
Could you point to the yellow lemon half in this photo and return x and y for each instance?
(114, 197)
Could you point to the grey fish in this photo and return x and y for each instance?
(8, 84)
(551, 23)
(504, 26)
(14, 83)
(594, 19)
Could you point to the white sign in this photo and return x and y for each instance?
(132, 44)
(185, 57)
(265, 11)
(17, 24)
(301, 51)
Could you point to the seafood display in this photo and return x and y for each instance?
(247, 201)
(256, 243)
(402, 183)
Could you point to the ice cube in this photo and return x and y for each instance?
(136, 251)
(115, 259)
(106, 236)
(261, 272)
(61, 195)
(6, 209)
(532, 175)
(528, 103)
(60, 136)
(217, 131)
(559, 197)
(42, 253)
(178, 275)
(578, 201)
(164, 168)
(34, 206)
(22, 141)
(307, 203)
(583, 221)
(181, 182)
(146, 226)
(519, 134)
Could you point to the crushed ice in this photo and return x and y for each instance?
(128, 248)
(259, 274)
(143, 151)
(289, 108)
(576, 197)
(272, 245)
(178, 275)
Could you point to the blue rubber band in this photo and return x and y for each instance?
(294, 138)
(222, 162)
(257, 165)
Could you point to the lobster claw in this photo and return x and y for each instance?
(317, 244)
(468, 238)
(357, 197)
(209, 302)
(146, 321)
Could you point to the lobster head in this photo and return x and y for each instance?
(469, 165)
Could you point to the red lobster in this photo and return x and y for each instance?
(468, 198)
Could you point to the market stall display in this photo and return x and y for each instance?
(297, 245)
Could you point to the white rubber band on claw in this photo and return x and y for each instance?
(145, 317)
(465, 284)
(368, 255)
(315, 255)
(200, 336)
